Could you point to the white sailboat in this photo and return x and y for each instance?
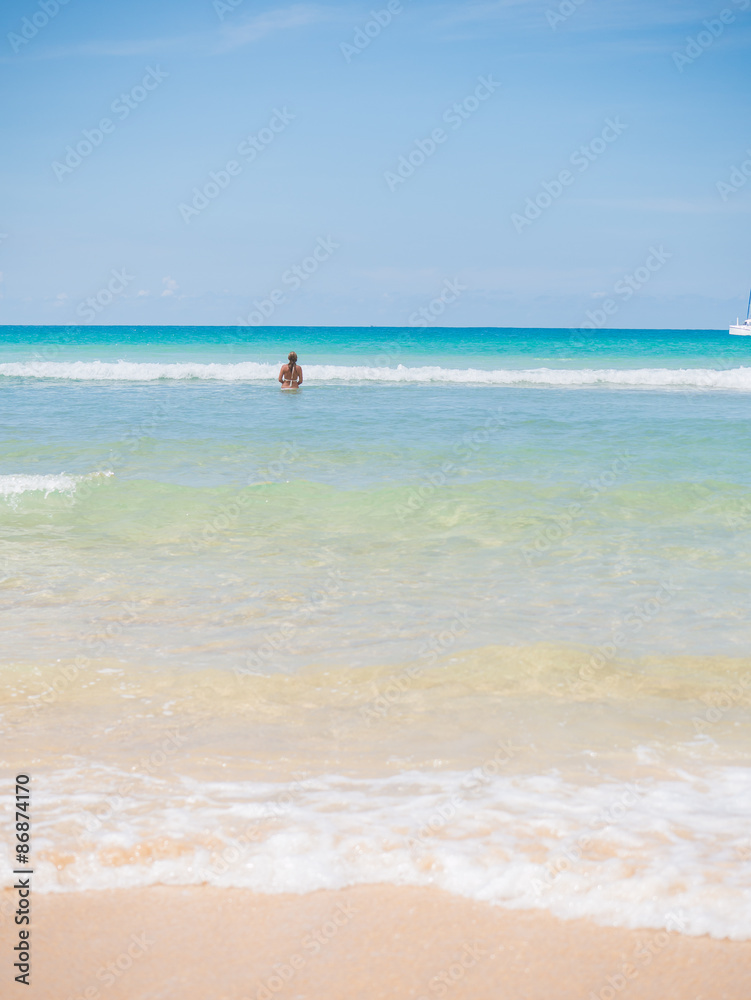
(743, 329)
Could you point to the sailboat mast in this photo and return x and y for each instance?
(748, 307)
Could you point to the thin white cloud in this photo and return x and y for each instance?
(473, 20)
(494, 8)
(452, 19)
(135, 47)
(589, 15)
(237, 34)
(487, 11)
(110, 47)
(214, 41)
(673, 206)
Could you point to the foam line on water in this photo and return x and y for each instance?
(624, 854)
(15, 485)
(738, 379)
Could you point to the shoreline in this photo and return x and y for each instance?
(365, 942)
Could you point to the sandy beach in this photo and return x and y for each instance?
(367, 942)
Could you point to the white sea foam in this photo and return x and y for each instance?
(665, 854)
(738, 379)
(14, 485)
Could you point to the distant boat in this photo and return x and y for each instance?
(743, 329)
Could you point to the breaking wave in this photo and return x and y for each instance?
(646, 854)
(15, 485)
(738, 379)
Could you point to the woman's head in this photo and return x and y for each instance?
(292, 358)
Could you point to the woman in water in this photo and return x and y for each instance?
(290, 375)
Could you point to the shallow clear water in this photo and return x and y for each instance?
(518, 555)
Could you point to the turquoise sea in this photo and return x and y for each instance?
(469, 610)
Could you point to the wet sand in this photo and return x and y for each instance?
(363, 943)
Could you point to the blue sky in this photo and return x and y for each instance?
(318, 123)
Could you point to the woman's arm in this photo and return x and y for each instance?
(300, 379)
(281, 374)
